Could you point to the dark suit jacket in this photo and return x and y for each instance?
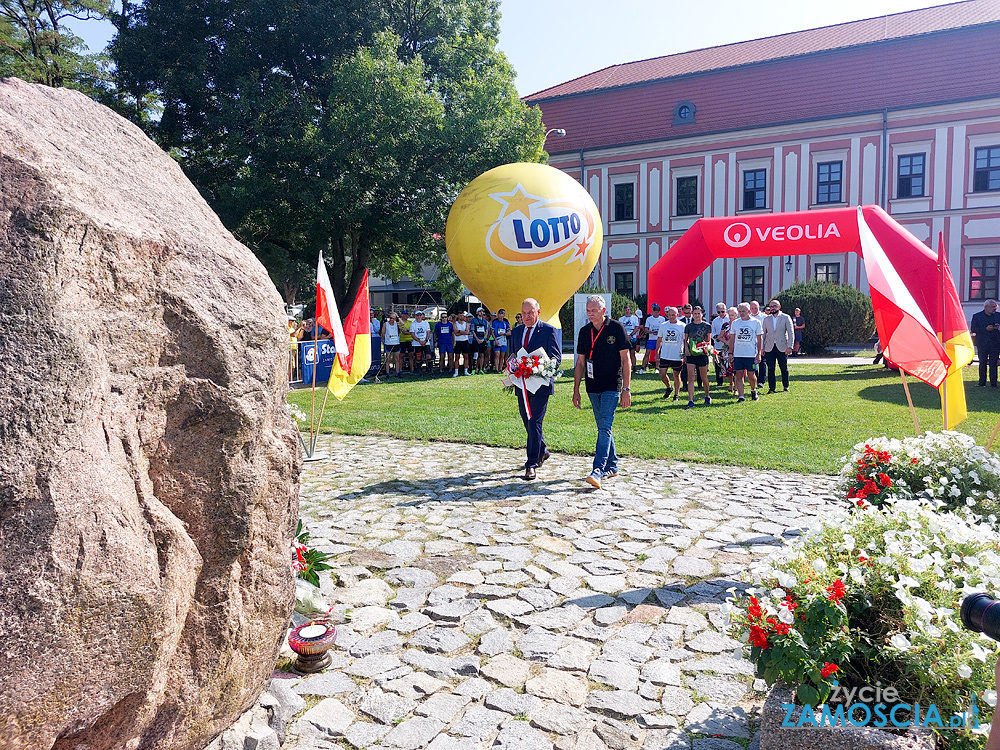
(544, 336)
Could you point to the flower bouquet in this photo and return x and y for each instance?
(529, 371)
(706, 348)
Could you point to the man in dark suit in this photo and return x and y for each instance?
(985, 331)
(534, 334)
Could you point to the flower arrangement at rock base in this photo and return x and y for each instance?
(872, 596)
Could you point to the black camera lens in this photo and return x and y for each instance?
(981, 614)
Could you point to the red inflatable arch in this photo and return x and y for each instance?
(793, 233)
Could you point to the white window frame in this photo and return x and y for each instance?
(750, 165)
(675, 174)
(821, 157)
(625, 179)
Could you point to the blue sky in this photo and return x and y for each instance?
(551, 41)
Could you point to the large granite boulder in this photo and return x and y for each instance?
(148, 467)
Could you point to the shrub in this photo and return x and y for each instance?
(945, 471)
(874, 596)
(618, 302)
(834, 313)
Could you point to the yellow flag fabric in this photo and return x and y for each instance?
(341, 382)
(960, 350)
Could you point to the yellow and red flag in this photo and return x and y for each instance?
(357, 358)
(957, 344)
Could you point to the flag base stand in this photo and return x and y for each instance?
(307, 459)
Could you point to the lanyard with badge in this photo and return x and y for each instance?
(593, 342)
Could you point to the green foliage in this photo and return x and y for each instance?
(37, 46)
(618, 302)
(308, 562)
(341, 126)
(834, 313)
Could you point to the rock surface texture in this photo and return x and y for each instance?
(149, 479)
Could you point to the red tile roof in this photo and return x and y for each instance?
(855, 33)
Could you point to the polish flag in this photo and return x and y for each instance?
(907, 337)
(327, 314)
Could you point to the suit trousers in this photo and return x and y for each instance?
(988, 362)
(538, 402)
(771, 357)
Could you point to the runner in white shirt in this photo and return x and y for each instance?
(631, 323)
(652, 325)
(717, 322)
(760, 317)
(746, 336)
(420, 329)
(669, 345)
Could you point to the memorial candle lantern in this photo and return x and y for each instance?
(312, 642)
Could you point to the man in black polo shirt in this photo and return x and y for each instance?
(604, 357)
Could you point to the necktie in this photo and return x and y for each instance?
(527, 336)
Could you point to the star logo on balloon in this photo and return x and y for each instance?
(532, 229)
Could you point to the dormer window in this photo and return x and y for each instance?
(684, 113)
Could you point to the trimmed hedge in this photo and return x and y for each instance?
(834, 313)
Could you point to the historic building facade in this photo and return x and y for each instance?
(902, 111)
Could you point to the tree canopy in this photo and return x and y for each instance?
(341, 126)
(38, 46)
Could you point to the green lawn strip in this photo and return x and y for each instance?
(829, 409)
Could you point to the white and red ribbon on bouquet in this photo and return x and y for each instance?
(516, 368)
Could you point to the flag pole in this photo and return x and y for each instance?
(323, 407)
(312, 399)
(909, 400)
(989, 445)
(941, 261)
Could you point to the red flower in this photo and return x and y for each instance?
(300, 552)
(300, 566)
(836, 591)
(754, 609)
(862, 504)
(885, 480)
(913, 460)
(790, 603)
(758, 637)
(828, 669)
(781, 628)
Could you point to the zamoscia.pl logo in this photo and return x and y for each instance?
(875, 706)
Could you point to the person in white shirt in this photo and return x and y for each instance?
(746, 337)
(652, 325)
(760, 316)
(420, 329)
(669, 347)
(720, 319)
(390, 334)
(632, 326)
(462, 349)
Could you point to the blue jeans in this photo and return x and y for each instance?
(604, 405)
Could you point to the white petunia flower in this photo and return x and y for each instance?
(900, 642)
(964, 671)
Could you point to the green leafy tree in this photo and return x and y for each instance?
(38, 46)
(834, 313)
(341, 126)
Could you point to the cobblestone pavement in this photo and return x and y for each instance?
(478, 610)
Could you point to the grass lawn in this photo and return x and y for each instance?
(809, 429)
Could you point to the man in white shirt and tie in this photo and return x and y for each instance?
(779, 336)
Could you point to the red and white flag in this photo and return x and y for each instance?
(327, 314)
(907, 337)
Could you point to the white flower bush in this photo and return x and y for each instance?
(874, 595)
(946, 470)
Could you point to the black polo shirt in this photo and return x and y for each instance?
(603, 345)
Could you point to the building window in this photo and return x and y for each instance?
(986, 174)
(910, 176)
(625, 201)
(625, 284)
(828, 272)
(754, 189)
(829, 178)
(983, 279)
(684, 113)
(752, 286)
(687, 196)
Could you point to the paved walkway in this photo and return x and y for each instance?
(481, 611)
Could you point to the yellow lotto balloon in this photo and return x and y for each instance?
(524, 230)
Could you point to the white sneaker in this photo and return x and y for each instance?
(594, 478)
(456, 374)
(467, 372)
